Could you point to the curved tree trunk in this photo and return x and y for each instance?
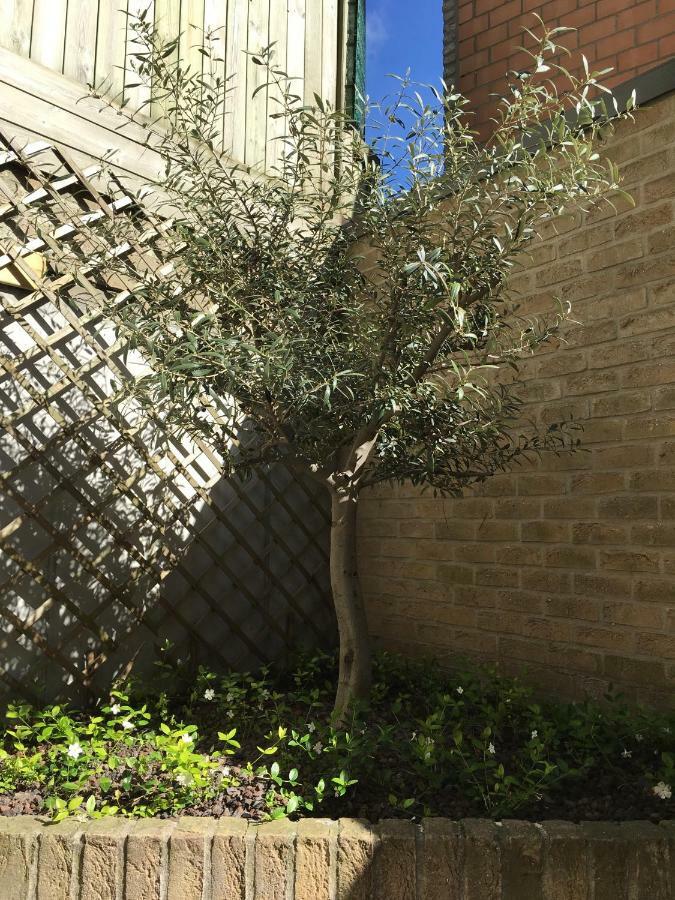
(355, 674)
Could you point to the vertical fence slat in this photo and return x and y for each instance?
(313, 48)
(295, 49)
(276, 127)
(167, 25)
(329, 51)
(236, 102)
(256, 78)
(79, 54)
(137, 94)
(215, 18)
(16, 17)
(192, 33)
(49, 28)
(111, 45)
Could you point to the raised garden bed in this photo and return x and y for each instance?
(467, 744)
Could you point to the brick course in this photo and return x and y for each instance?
(348, 859)
(566, 565)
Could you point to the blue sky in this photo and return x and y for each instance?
(402, 34)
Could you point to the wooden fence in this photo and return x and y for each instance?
(89, 41)
(116, 535)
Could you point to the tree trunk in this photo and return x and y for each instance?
(355, 674)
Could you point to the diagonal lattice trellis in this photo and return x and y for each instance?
(116, 534)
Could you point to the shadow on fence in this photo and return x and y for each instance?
(117, 535)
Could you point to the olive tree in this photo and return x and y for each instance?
(353, 305)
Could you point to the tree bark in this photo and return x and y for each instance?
(355, 673)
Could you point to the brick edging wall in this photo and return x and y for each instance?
(320, 859)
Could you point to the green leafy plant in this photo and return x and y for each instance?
(428, 742)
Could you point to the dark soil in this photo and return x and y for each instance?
(631, 805)
(247, 802)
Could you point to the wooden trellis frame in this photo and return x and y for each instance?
(115, 534)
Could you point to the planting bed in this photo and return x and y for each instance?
(466, 744)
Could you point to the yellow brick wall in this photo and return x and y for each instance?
(567, 565)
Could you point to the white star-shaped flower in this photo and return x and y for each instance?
(186, 738)
(115, 709)
(127, 725)
(75, 750)
(662, 790)
(491, 749)
(209, 694)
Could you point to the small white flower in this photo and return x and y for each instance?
(115, 709)
(662, 790)
(225, 771)
(626, 754)
(127, 725)
(318, 747)
(311, 727)
(534, 734)
(209, 694)
(314, 467)
(491, 749)
(460, 690)
(74, 750)
(184, 779)
(639, 738)
(186, 738)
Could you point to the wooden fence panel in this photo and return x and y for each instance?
(90, 42)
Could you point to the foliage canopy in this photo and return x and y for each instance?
(354, 302)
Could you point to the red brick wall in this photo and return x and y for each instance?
(566, 566)
(630, 36)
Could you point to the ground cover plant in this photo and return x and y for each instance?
(469, 743)
(349, 374)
